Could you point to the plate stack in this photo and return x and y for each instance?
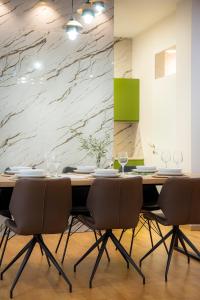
(16, 170)
(145, 169)
(112, 173)
(170, 172)
(85, 169)
(36, 173)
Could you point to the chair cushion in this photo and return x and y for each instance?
(80, 210)
(150, 207)
(156, 215)
(12, 225)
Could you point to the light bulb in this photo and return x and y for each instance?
(72, 34)
(99, 7)
(88, 15)
(73, 28)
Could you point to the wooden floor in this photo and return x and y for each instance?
(113, 281)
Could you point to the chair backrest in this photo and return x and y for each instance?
(115, 203)
(41, 205)
(180, 201)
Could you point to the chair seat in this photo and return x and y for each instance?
(80, 210)
(11, 225)
(5, 213)
(156, 215)
(150, 207)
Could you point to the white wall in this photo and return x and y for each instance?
(165, 115)
(157, 96)
(195, 88)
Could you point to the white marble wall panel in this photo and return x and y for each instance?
(49, 84)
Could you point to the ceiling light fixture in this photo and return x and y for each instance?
(99, 7)
(87, 12)
(73, 27)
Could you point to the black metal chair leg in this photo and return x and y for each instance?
(41, 250)
(122, 254)
(53, 260)
(95, 235)
(156, 246)
(67, 240)
(3, 236)
(106, 251)
(60, 239)
(24, 262)
(4, 247)
(101, 250)
(122, 249)
(160, 233)
(48, 262)
(24, 249)
(89, 251)
(121, 236)
(143, 225)
(132, 238)
(150, 233)
(192, 246)
(184, 247)
(171, 248)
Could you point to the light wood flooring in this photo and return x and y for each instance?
(112, 281)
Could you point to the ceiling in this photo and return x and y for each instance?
(134, 16)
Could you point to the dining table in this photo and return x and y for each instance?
(7, 181)
(81, 184)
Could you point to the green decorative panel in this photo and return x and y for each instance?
(131, 162)
(126, 99)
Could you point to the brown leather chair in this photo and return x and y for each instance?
(113, 204)
(180, 205)
(79, 196)
(38, 206)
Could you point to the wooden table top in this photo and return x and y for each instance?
(9, 181)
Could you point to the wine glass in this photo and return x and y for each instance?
(110, 161)
(165, 157)
(123, 159)
(177, 158)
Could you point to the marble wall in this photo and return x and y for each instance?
(52, 89)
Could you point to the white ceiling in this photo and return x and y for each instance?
(134, 16)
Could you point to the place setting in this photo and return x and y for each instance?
(166, 157)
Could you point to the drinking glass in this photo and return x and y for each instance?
(165, 157)
(110, 161)
(123, 159)
(177, 158)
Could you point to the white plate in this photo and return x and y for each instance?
(146, 168)
(83, 172)
(169, 174)
(30, 176)
(106, 175)
(144, 171)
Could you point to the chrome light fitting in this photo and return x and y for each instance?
(87, 12)
(98, 6)
(73, 27)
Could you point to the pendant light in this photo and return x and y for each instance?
(87, 12)
(73, 27)
(98, 6)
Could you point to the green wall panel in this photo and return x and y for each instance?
(131, 162)
(126, 99)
